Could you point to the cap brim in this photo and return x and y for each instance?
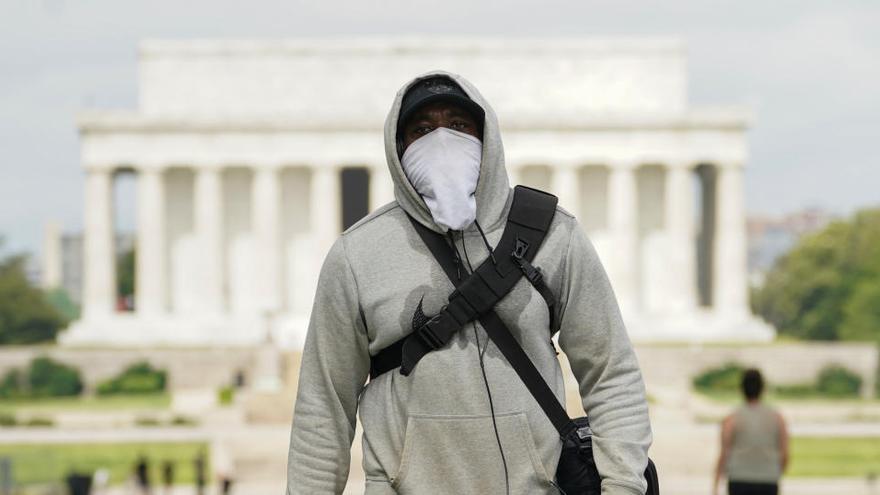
(470, 105)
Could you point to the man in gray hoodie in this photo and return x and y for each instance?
(437, 431)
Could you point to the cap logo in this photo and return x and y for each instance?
(438, 87)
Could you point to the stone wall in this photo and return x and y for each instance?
(663, 366)
(788, 364)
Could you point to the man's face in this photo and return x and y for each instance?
(439, 114)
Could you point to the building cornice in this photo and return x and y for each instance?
(700, 119)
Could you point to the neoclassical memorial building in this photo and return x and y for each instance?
(252, 156)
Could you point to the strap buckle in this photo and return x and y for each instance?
(427, 334)
(519, 250)
(531, 272)
(584, 433)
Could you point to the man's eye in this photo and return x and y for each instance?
(459, 125)
(422, 130)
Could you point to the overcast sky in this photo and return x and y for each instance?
(810, 70)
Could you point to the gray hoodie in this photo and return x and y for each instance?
(431, 432)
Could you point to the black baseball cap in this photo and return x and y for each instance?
(437, 88)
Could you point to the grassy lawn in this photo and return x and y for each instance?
(834, 457)
(86, 403)
(48, 463)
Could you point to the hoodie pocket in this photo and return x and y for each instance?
(459, 455)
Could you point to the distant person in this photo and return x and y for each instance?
(754, 444)
(199, 466)
(100, 481)
(239, 379)
(223, 464)
(141, 472)
(168, 475)
(225, 485)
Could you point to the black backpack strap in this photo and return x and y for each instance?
(531, 377)
(495, 327)
(536, 277)
(527, 223)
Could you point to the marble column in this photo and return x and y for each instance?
(682, 254)
(730, 264)
(209, 230)
(623, 219)
(381, 186)
(99, 253)
(326, 206)
(151, 291)
(565, 184)
(51, 276)
(267, 230)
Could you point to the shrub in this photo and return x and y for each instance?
(39, 421)
(139, 378)
(10, 385)
(727, 378)
(183, 421)
(225, 395)
(48, 378)
(797, 391)
(146, 421)
(837, 381)
(7, 419)
(877, 379)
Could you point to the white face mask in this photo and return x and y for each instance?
(443, 166)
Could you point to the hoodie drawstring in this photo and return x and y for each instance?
(456, 256)
(486, 242)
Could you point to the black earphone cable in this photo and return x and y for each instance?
(476, 336)
(480, 351)
(485, 242)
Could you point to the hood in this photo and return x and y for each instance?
(493, 187)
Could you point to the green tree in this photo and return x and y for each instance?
(59, 299)
(26, 316)
(828, 286)
(125, 273)
(861, 313)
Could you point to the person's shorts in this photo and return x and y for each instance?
(749, 488)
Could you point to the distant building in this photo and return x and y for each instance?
(772, 236)
(252, 156)
(33, 271)
(62, 259)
